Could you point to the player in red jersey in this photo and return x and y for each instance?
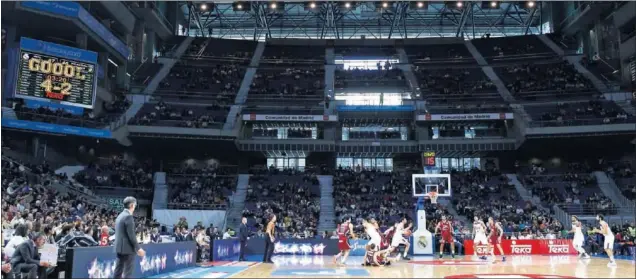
(446, 228)
(494, 238)
(344, 229)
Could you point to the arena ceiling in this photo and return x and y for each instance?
(258, 20)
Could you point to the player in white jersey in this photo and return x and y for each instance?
(607, 233)
(579, 238)
(398, 237)
(479, 232)
(371, 228)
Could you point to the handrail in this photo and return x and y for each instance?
(581, 122)
(183, 205)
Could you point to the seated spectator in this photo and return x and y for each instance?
(19, 237)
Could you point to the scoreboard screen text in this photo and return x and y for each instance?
(56, 73)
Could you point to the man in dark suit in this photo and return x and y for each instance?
(243, 236)
(178, 236)
(27, 260)
(126, 245)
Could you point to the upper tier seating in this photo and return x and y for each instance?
(550, 81)
(293, 54)
(456, 85)
(202, 82)
(582, 113)
(508, 49)
(172, 115)
(238, 51)
(294, 84)
(447, 53)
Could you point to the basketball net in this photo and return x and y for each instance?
(433, 197)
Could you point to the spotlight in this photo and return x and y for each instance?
(530, 4)
(239, 6)
(273, 6)
(347, 5)
(385, 5)
(420, 4)
(203, 7)
(312, 5)
(493, 4)
(459, 4)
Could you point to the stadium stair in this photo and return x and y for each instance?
(610, 189)
(8, 113)
(525, 194)
(576, 62)
(241, 96)
(258, 53)
(160, 195)
(476, 54)
(232, 116)
(234, 212)
(327, 220)
(330, 72)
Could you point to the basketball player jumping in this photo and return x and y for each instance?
(579, 239)
(494, 239)
(607, 233)
(479, 233)
(446, 236)
(343, 240)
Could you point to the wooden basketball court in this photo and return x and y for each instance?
(429, 267)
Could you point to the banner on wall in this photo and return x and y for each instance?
(296, 118)
(99, 262)
(527, 247)
(226, 249)
(57, 129)
(465, 116)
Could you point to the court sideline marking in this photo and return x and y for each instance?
(246, 269)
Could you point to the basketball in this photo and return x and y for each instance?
(407, 232)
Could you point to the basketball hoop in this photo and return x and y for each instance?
(433, 197)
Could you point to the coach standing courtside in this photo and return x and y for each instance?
(243, 236)
(126, 245)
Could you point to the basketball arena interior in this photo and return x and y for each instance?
(320, 139)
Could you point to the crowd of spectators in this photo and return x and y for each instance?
(560, 77)
(443, 53)
(511, 46)
(210, 191)
(116, 172)
(222, 49)
(573, 189)
(64, 117)
(362, 194)
(217, 78)
(452, 84)
(165, 114)
(606, 111)
(290, 194)
(290, 82)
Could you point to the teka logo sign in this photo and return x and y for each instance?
(558, 248)
(483, 249)
(519, 249)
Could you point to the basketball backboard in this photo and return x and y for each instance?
(425, 183)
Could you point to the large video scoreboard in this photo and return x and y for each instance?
(56, 73)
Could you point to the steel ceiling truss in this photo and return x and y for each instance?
(329, 20)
